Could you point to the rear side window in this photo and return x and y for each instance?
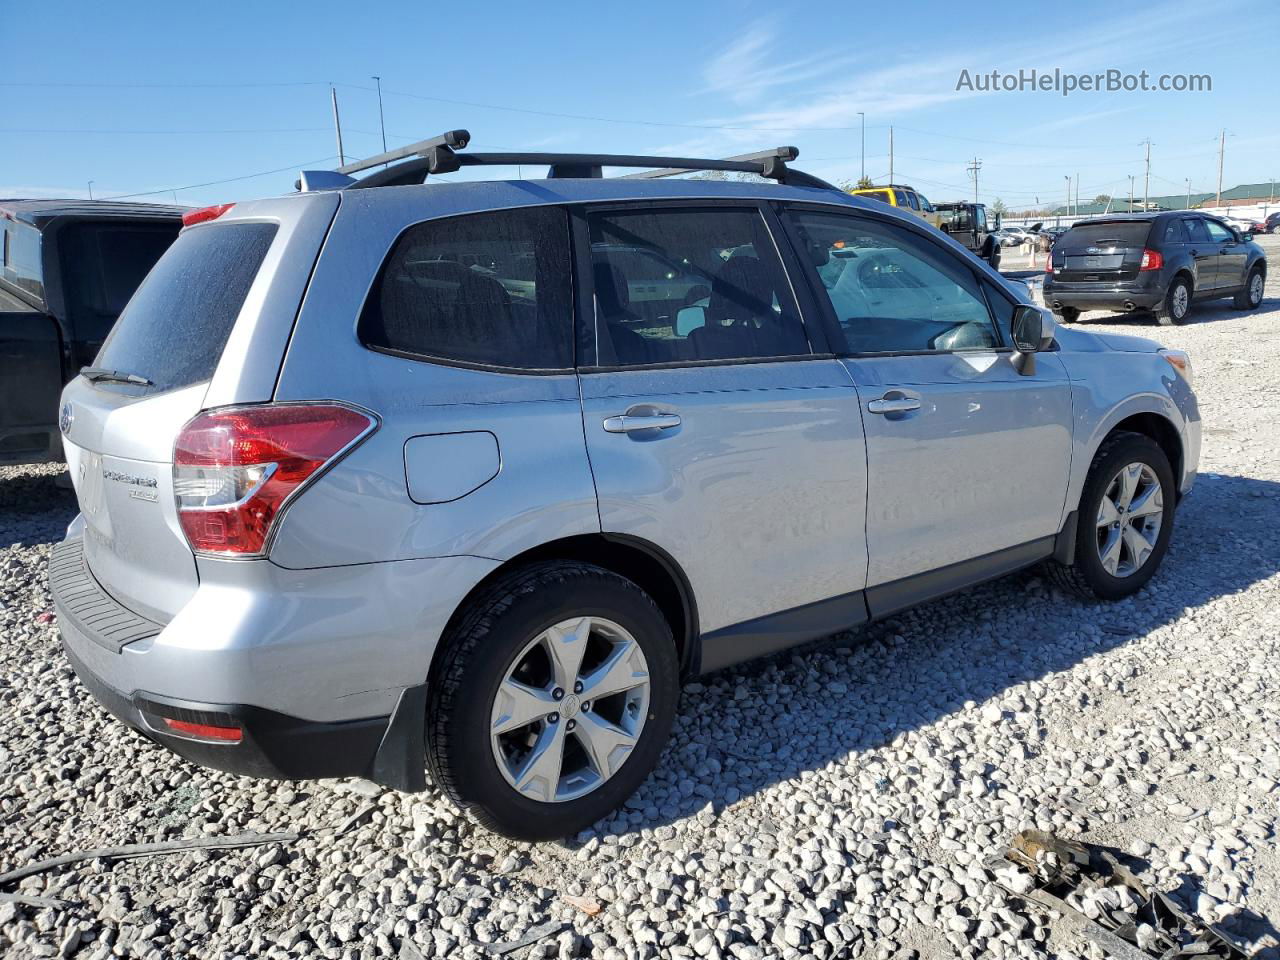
(900, 198)
(1115, 234)
(102, 265)
(1173, 232)
(489, 289)
(175, 327)
(723, 296)
(881, 195)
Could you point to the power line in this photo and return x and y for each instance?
(211, 183)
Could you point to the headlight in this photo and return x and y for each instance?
(1180, 360)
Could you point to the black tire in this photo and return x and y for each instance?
(1086, 576)
(1068, 314)
(476, 657)
(1174, 308)
(1247, 297)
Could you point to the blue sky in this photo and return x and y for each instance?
(143, 97)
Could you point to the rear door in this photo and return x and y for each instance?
(729, 438)
(1232, 254)
(1203, 251)
(968, 459)
(1101, 252)
(213, 293)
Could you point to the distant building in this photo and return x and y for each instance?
(1244, 195)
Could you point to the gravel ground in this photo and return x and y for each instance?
(834, 802)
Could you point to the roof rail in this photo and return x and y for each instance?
(437, 155)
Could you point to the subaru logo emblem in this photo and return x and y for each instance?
(66, 418)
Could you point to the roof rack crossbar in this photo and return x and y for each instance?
(435, 156)
(759, 159)
(453, 139)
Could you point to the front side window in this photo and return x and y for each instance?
(490, 289)
(1218, 233)
(721, 293)
(980, 217)
(900, 198)
(894, 292)
(925, 205)
(913, 200)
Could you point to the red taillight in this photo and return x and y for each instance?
(205, 213)
(234, 469)
(205, 731)
(1151, 260)
(1048, 265)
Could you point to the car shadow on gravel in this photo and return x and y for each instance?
(35, 506)
(845, 698)
(1209, 311)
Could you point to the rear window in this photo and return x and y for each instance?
(1132, 233)
(489, 289)
(175, 327)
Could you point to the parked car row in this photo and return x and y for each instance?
(382, 479)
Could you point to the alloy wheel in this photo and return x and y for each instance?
(1181, 299)
(570, 709)
(1129, 519)
(1255, 289)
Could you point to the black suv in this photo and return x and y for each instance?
(1152, 261)
(68, 268)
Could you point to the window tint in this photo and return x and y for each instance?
(102, 265)
(173, 330)
(489, 289)
(22, 266)
(1173, 232)
(1218, 233)
(1196, 231)
(1115, 233)
(913, 200)
(900, 198)
(881, 195)
(892, 291)
(925, 205)
(724, 296)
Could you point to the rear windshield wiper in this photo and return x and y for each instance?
(96, 374)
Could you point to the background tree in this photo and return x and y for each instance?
(998, 207)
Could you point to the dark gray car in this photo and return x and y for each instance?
(1156, 261)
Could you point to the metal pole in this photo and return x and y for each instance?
(1131, 193)
(381, 122)
(1188, 206)
(890, 154)
(337, 126)
(1077, 193)
(90, 189)
(863, 176)
(1146, 181)
(1222, 147)
(1068, 179)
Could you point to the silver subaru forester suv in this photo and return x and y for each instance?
(396, 478)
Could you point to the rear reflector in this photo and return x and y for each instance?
(205, 731)
(205, 213)
(235, 469)
(1151, 260)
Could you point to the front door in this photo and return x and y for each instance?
(967, 457)
(1204, 251)
(1231, 256)
(713, 430)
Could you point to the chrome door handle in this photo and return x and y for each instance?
(895, 405)
(657, 421)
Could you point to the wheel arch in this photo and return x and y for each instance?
(641, 561)
(1158, 428)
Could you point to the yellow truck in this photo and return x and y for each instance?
(900, 195)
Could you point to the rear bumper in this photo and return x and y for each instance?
(322, 669)
(1116, 298)
(273, 745)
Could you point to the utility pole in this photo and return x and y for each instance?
(1068, 178)
(1131, 193)
(337, 125)
(1188, 206)
(972, 170)
(381, 122)
(90, 189)
(1222, 147)
(863, 175)
(891, 154)
(1146, 181)
(1077, 193)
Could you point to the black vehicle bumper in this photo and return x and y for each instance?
(1118, 299)
(272, 745)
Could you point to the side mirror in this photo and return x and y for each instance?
(1247, 236)
(1032, 329)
